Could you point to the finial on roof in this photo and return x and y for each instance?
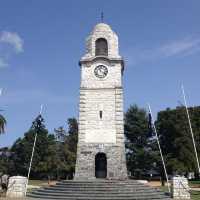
(102, 17)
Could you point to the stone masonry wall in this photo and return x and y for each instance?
(116, 164)
(180, 188)
(113, 145)
(101, 134)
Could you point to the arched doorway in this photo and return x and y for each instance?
(100, 165)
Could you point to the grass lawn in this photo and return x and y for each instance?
(38, 182)
(195, 182)
(195, 195)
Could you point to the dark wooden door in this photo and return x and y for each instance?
(101, 165)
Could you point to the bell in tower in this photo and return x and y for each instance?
(101, 150)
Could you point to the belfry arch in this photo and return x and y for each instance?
(101, 47)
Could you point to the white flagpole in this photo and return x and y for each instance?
(41, 108)
(1, 91)
(33, 150)
(154, 127)
(190, 125)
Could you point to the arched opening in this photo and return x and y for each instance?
(100, 165)
(101, 47)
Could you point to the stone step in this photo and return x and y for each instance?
(64, 184)
(98, 190)
(110, 189)
(95, 194)
(99, 182)
(99, 186)
(106, 184)
(42, 191)
(32, 197)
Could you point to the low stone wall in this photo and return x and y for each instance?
(180, 188)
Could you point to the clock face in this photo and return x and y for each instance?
(101, 71)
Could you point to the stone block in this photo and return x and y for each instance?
(180, 188)
(17, 187)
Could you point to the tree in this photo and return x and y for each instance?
(44, 160)
(175, 137)
(72, 140)
(66, 150)
(138, 148)
(4, 159)
(2, 124)
(60, 134)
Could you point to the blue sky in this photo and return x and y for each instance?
(41, 43)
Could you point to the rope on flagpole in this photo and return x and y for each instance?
(154, 127)
(190, 125)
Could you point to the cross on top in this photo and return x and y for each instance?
(102, 17)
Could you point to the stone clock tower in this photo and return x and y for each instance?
(101, 150)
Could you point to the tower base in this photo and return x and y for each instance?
(101, 161)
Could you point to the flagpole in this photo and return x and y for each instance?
(33, 150)
(163, 162)
(1, 91)
(190, 125)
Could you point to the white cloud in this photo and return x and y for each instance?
(186, 45)
(3, 63)
(182, 47)
(12, 39)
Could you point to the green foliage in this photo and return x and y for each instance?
(51, 158)
(136, 126)
(57, 158)
(140, 156)
(44, 160)
(67, 151)
(4, 159)
(2, 124)
(176, 139)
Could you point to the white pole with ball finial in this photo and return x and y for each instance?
(191, 131)
(1, 91)
(33, 150)
(163, 162)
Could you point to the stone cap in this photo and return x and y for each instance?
(102, 30)
(102, 27)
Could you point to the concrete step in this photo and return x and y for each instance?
(110, 189)
(33, 197)
(98, 184)
(83, 193)
(96, 187)
(98, 190)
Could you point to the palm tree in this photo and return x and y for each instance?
(2, 124)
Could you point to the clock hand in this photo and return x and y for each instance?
(101, 70)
